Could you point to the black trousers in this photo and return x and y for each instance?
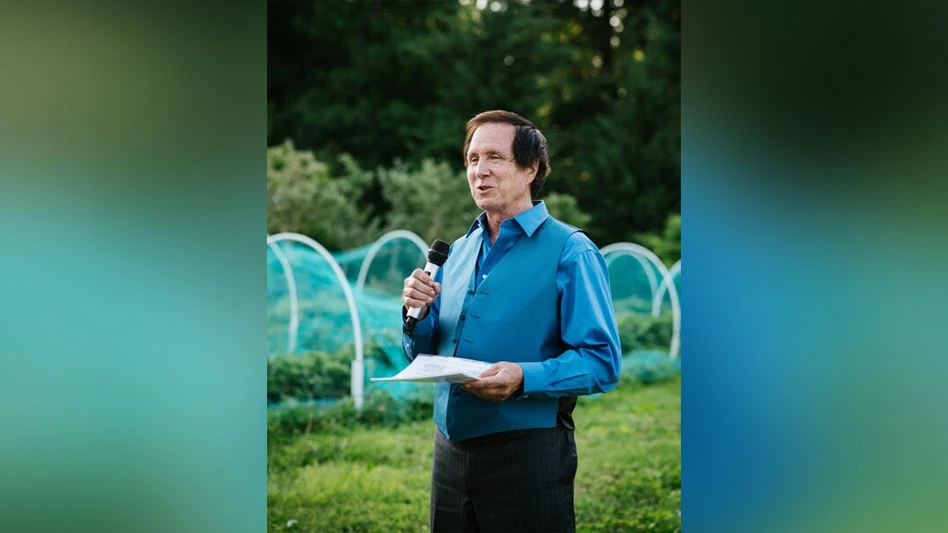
(513, 481)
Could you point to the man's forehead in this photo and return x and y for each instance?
(493, 135)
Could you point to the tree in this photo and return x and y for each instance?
(434, 201)
(396, 81)
(303, 197)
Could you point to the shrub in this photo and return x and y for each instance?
(379, 409)
(309, 376)
(649, 367)
(640, 332)
(432, 200)
(563, 207)
(308, 196)
(666, 245)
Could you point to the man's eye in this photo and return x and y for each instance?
(495, 157)
(472, 161)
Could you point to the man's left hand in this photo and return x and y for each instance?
(497, 383)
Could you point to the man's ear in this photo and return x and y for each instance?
(534, 168)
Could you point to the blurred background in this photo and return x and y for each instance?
(367, 102)
(379, 91)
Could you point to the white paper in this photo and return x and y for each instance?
(435, 368)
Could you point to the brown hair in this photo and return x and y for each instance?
(529, 144)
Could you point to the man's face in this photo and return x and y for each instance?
(498, 185)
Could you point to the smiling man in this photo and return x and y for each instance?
(529, 294)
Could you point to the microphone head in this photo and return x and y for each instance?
(438, 253)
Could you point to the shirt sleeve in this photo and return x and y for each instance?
(593, 360)
(424, 338)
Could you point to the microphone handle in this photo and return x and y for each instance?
(431, 269)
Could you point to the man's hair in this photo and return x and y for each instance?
(529, 145)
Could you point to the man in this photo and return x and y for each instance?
(530, 294)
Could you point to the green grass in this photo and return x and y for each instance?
(378, 479)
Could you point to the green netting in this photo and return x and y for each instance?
(317, 367)
(325, 323)
(642, 302)
(634, 282)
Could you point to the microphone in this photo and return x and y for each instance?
(437, 255)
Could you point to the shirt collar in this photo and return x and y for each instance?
(529, 220)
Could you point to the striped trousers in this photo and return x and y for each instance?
(513, 481)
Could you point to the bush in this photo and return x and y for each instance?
(563, 207)
(379, 409)
(309, 376)
(310, 392)
(639, 332)
(307, 196)
(432, 200)
(649, 367)
(328, 201)
(667, 245)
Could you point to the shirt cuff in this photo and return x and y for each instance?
(423, 327)
(533, 379)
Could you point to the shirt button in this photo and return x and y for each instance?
(484, 276)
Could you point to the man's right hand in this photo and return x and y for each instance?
(420, 291)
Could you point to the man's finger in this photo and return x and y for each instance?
(418, 286)
(423, 282)
(489, 394)
(479, 386)
(492, 370)
(420, 274)
(486, 386)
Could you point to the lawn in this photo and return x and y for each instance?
(372, 479)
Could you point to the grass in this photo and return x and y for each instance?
(378, 479)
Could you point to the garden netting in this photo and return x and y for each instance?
(309, 359)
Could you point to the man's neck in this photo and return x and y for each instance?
(494, 219)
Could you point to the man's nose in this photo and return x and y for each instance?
(481, 168)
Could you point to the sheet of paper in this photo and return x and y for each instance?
(434, 368)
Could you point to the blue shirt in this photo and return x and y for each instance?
(588, 324)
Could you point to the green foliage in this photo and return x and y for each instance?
(630, 459)
(366, 479)
(310, 392)
(318, 375)
(429, 199)
(621, 147)
(309, 376)
(433, 200)
(649, 367)
(379, 409)
(377, 478)
(667, 245)
(639, 332)
(307, 196)
(387, 81)
(563, 206)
